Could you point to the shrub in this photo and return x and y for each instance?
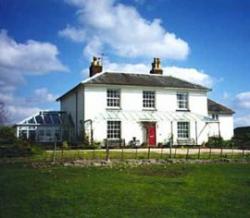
(219, 142)
(242, 137)
(7, 135)
(214, 142)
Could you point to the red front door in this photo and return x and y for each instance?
(151, 135)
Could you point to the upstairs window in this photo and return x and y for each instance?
(215, 116)
(182, 101)
(114, 129)
(183, 130)
(113, 98)
(148, 99)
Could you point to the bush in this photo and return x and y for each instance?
(242, 137)
(7, 135)
(214, 142)
(219, 142)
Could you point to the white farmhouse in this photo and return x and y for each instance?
(151, 108)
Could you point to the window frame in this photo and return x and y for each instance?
(183, 133)
(184, 101)
(113, 98)
(112, 132)
(215, 116)
(146, 102)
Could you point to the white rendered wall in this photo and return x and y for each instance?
(68, 104)
(92, 102)
(226, 126)
(131, 100)
(74, 105)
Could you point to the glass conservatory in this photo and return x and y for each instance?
(46, 127)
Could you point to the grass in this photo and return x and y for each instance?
(208, 190)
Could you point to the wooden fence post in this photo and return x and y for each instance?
(210, 150)
(187, 153)
(221, 151)
(54, 153)
(122, 155)
(107, 151)
(93, 154)
(148, 152)
(199, 152)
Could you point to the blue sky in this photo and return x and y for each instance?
(46, 46)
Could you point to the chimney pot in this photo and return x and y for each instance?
(95, 66)
(156, 67)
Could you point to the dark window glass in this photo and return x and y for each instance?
(39, 119)
(148, 99)
(114, 129)
(183, 129)
(56, 119)
(182, 100)
(47, 119)
(113, 98)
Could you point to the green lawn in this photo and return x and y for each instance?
(202, 190)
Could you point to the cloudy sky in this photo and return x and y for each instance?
(46, 47)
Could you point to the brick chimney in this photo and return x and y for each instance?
(95, 66)
(156, 67)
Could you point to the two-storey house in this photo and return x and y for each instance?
(151, 107)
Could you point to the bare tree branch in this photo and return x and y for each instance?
(3, 113)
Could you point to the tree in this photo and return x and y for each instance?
(3, 113)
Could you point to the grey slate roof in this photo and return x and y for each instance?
(143, 80)
(131, 79)
(214, 107)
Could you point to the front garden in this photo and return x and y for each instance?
(176, 190)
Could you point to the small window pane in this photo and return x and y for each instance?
(47, 119)
(39, 119)
(56, 119)
(182, 100)
(114, 129)
(148, 99)
(183, 129)
(113, 98)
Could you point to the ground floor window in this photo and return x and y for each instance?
(114, 129)
(183, 129)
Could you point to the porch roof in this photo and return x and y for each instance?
(150, 116)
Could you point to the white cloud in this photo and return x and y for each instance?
(32, 57)
(189, 74)
(29, 58)
(43, 95)
(243, 120)
(243, 100)
(75, 34)
(123, 31)
(18, 113)
(18, 60)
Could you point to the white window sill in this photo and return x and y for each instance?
(113, 108)
(182, 109)
(149, 109)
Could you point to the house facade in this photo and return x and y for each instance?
(147, 108)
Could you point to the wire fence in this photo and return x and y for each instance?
(199, 153)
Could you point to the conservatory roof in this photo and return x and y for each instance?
(48, 118)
